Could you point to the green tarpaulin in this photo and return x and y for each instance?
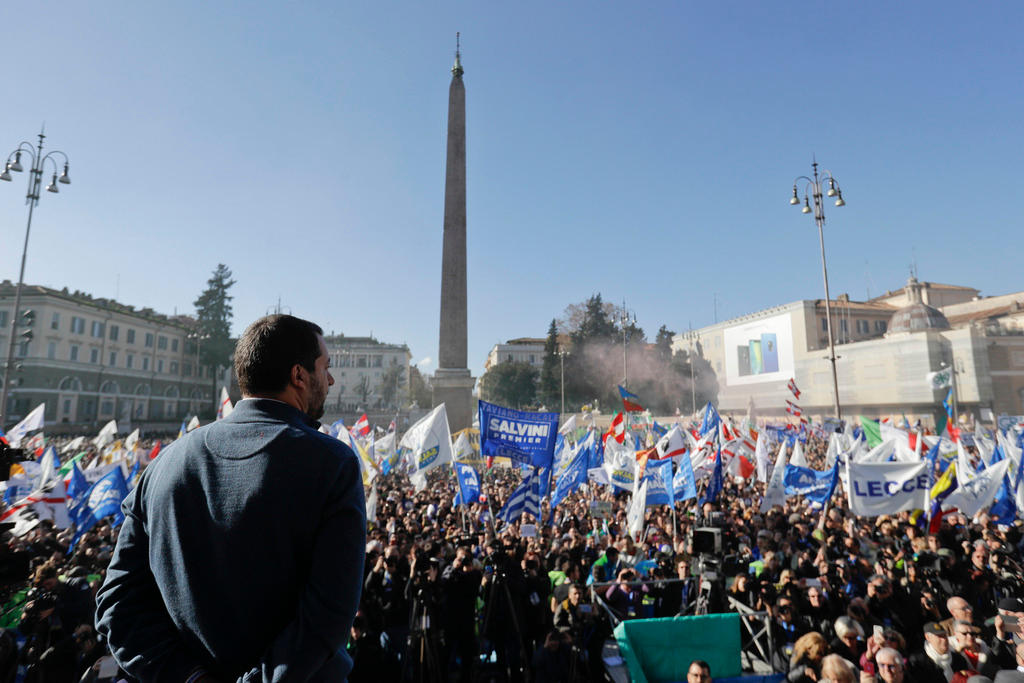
(659, 650)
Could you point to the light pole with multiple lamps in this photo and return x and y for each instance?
(813, 188)
(626, 316)
(35, 181)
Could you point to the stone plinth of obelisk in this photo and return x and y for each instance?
(453, 384)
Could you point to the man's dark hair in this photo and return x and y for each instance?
(702, 664)
(269, 349)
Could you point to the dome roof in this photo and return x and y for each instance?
(917, 317)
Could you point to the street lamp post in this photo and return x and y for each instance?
(35, 181)
(561, 365)
(197, 336)
(813, 188)
(625, 316)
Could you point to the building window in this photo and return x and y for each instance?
(129, 359)
(510, 358)
(77, 325)
(533, 359)
(94, 355)
(22, 349)
(361, 362)
(74, 352)
(160, 365)
(824, 324)
(114, 329)
(149, 340)
(98, 329)
(51, 351)
(186, 369)
(55, 322)
(378, 361)
(4, 318)
(174, 345)
(113, 359)
(145, 362)
(174, 367)
(161, 343)
(880, 325)
(843, 326)
(107, 407)
(129, 336)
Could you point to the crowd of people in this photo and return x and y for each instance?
(450, 595)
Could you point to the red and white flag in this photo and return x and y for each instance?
(792, 387)
(793, 409)
(361, 427)
(617, 430)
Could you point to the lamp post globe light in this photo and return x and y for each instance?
(812, 189)
(38, 165)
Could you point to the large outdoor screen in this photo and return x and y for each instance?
(759, 351)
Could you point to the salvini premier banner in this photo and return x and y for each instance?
(524, 437)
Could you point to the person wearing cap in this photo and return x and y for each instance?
(936, 658)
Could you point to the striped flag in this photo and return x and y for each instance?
(792, 387)
(526, 499)
(361, 427)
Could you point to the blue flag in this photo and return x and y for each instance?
(469, 484)
(814, 486)
(684, 486)
(526, 498)
(524, 437)
(103, 499)
(711, 419)
(77, 485)
(715, 483)
(571, 478)
(659, 482)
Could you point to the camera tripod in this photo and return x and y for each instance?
(500, 591)
(419, 646)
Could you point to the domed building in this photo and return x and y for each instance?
(917, 316)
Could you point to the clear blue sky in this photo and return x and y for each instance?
(642, 150)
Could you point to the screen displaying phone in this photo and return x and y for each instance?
(769, 352)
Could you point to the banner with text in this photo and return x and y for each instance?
(885, 488)
(524, 437)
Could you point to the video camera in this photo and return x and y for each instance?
(9, 456)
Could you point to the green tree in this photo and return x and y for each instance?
(391, 385)
(363, 390)
(510, 384)
(213, 319)
(549, 388)
(663, 343)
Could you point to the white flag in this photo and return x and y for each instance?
(964, 471)
(885, 488)
(775, 492)
(940, 379)
(569, 427)
(371, 505)
(32, 422)
(131, 441)
(106, 434)
(973, 496)
(635, 514)
(224, 408)
(463, 449)
(833, 450)
(73, 445)
(192, 424)
(429, 440)
(798, 458)
(762, 460)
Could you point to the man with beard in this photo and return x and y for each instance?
(242, 549)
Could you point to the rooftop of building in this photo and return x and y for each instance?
(7, 289)
(526, 340)
(344, 340)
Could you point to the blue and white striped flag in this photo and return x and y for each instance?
(526, 498)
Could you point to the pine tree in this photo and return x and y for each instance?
(549, 387)
(213, 319)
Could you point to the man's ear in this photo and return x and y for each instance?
(298, 376)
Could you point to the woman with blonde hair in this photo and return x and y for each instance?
(808, 652)
(835, 669)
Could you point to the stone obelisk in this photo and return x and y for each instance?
(453, 384)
